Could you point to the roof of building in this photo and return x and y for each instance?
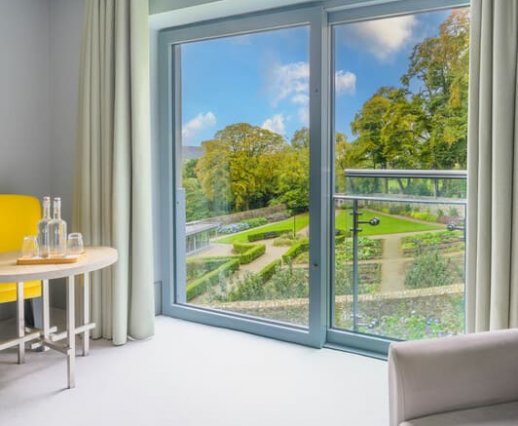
(196, 227)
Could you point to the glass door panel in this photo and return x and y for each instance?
(242, 221)
(400, 184)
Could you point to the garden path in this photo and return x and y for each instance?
(272, 252)
(393, 263)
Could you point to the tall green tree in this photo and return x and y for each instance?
(438, 72)
(240, 166)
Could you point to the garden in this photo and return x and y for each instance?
(430, 263)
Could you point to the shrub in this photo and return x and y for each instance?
(197, 267)
(295, 250)
(255, 222)
(429, 269)
(248, 252)
(251, 287)
(289, 283)
(395, 209)
(277, 217)
(286, 240)
(266, 235)
(232, 228)
(269, 270)
(201, 285)
(425, 216)
(445, 241)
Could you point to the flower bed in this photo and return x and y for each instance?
(232, 228)
(444, 241)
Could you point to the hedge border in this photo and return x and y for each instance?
(295, 249)
(200, 285)
(248, 252)
(267, 235)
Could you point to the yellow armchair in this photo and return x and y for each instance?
(19, 216)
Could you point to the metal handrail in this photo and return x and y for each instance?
(395, 173)
(392, 199)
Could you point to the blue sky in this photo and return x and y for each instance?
(262, 78)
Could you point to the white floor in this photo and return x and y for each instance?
(191, 374)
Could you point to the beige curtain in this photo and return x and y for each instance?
(492, 269)
(113, 187)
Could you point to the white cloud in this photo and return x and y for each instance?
(196, 125)
(345, 82)
(300, 99)
(303, 115)
(288, 81)
(382, 37)
(275, 124)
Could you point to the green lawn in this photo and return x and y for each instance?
(388, 224)
(301, 221)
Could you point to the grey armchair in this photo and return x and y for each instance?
(460, 380)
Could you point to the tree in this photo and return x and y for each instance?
(293, 183)
(346, 157)
(196, 203)
(439, 67)
(240, 166)
(422, 124)
(213, 172)
(300, 138)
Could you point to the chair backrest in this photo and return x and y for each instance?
(19, 216)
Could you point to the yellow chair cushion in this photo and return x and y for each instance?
(31, 289)
(19, 216)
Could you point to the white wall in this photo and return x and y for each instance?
(24, 97)
(24, 100)
(66, 25)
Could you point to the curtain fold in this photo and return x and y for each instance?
(113, 186)
(492, 219)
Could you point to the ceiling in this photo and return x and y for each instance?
(171, 13)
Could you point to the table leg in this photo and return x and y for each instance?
(86, 313)
(71, 332)
(20, 314)
(46, 309)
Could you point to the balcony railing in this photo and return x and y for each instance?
(424, 264)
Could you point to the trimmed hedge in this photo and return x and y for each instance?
(248, 252)
(269, 270)
(252, 288)
(266, 235)
(197, 267)
(255, 222)
(295, 250)
(200, 285)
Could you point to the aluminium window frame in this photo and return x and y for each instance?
(170, 140)
(321, 17)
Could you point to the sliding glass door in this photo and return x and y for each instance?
(349, 124)
(243, 195)
(240, 173)
(400, 114)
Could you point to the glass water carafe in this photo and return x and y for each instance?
(43, 229)
(57, 232)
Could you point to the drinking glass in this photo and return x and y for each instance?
(75, 245)
(30, 247)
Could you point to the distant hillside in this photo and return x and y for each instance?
(192, 152)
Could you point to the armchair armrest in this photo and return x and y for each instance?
(452, 373)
